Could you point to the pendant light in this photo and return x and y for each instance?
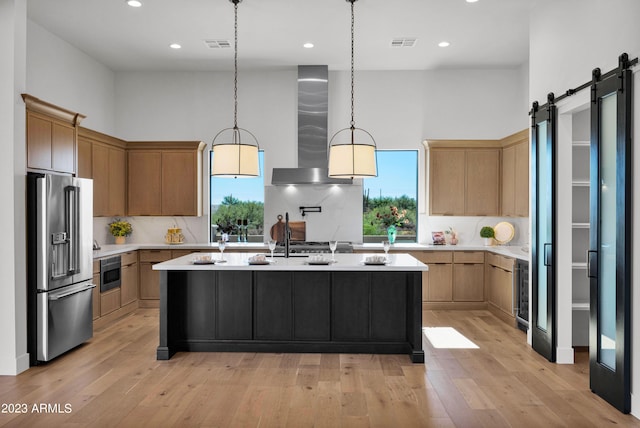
(352, 151)
(235, 150)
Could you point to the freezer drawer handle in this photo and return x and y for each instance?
(71, 293)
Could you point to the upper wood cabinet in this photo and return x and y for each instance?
(464, 178)
(515, 175)
(164, 178)
(447, 178)
(479, 177)
(51, 136)
(102, 158)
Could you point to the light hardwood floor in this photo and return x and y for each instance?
(115, 380)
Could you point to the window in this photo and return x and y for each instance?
(395, 187)
(237, 206)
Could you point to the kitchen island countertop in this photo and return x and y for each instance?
(343, 262)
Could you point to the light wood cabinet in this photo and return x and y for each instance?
(96, 289)
(129, 278)
(447, 182)
(102, 158)
(164, 178)
(482, 196)
(499, 277)
(522, 180)
(144, 183)
(109, 301)
(515, 175)
(149, 285)
(464, 179)
(51, 136)
(468, 276)
(439, 284)
(150, 279)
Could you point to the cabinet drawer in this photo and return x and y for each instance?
(155, 255)
(179, 253)
(437, 257)
(109, 301)
(129, 258)
(502, 262)
(468, 257)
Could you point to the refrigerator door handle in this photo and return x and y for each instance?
(72, 226)
(71, 293)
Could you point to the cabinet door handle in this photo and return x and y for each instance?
(592, 264)
(548, 254)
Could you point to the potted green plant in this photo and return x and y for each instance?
(120, 229)
(488, 234)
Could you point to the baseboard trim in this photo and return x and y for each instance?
(461, 306)
(112, 316)
(148, 303)
(564, 356)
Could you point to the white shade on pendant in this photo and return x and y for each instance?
(235, 160)
(352, 161)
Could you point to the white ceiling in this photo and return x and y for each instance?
(486, 34)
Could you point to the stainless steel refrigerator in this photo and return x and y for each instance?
(59, 264)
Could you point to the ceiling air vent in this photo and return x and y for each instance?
(218, 43)
(403, 42)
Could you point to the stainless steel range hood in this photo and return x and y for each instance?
(313, 106)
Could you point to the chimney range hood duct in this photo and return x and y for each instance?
(313, 105)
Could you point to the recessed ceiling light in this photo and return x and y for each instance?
(134, 3)
(443, 44)
(471, 1)
(175, 46)
(308, 45)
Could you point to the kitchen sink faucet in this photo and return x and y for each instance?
(287, 234)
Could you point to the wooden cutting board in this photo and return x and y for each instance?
(298, 230)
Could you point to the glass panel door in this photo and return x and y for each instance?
(608, 262)
(543, 331)
(607, 246)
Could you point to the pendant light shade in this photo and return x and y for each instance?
(235, 150)
(232, 158)
(352, 151)
(352, 157)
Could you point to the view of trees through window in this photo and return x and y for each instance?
(237, 206)
(391, 198)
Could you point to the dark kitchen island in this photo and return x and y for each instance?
(291, 306)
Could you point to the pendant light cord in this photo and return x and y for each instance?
(235, 67)
(353, 123)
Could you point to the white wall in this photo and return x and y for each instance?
(473, 104)
(59, 73)
(400, 109)
(567, 40)
(13, 349)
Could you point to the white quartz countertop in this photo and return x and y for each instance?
(505, 250)
(343, 262)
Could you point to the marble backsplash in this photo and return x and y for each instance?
(468, 228)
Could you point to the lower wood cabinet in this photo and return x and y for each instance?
(129, 278)
(115, 303)
(468, 276)
(96, 289)
(439, 286)
(150, 279)
(149, 285)
(499, 277)
(109, 301)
